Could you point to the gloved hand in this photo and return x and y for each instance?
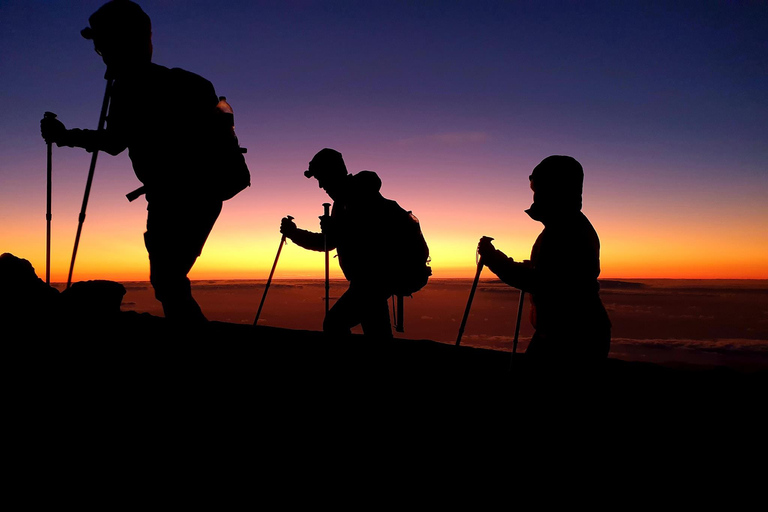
(288, 227)
(488, 253)
(52, 130)
(327, 223)
(485, 247)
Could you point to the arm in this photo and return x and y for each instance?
(54, 130)
(92, 140)
(303, 238)
(518, 275)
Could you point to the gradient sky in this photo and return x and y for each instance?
(665, 104)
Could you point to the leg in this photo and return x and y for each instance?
(174, 239)
(168, 275)
(375, 316)
(360, 304)
(342, 316)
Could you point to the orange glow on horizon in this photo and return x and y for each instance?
(635, 243)
(296, 263)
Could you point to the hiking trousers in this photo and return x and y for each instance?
(362, 304)
(588, 346)
(175, 236)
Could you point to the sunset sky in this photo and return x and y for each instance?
(452, 103)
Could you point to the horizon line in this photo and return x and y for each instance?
(342, 280)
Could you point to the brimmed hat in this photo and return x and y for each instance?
(326, 162)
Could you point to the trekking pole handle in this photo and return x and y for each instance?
(49, 115)
(477, 253)
(282, 241)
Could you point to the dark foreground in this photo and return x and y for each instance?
(139, 363)
(130, 405)
(102, 406)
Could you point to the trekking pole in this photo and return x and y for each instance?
(517, 328)
(48, 216)
(269, 281)
(102, 119)
(471, 296)
(399, 323)
(326, 207)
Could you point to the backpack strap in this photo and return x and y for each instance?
(397, 311)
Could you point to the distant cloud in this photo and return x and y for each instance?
(631, 308)
(447, 139)
(722, 345)
(504, 290)
(620, 285)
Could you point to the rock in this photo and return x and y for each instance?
(93, 299)
(25, 300)
(31, 310)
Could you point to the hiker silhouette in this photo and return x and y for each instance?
(182, 148)
(364, 228)
(570, 321)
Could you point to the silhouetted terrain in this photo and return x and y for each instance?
(129, 370)
(671, 322)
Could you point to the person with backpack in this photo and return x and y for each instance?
(571, 324)
(379, 245)
(182, 148)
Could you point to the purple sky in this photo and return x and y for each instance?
(664, 103)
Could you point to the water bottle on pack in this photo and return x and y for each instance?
(232, 174)
(228, 117)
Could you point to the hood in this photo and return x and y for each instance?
(557, 184)
(366, 183)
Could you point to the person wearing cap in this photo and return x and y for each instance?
(570, 321)
(360, 230)
(168, 121)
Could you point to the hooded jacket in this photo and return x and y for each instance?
(561, 276)
(361, 230)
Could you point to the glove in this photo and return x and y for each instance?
(485, 247)
(288, 227)
(327, 223)
(488, 253)
(52, 130)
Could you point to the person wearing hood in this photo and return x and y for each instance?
(360, 230)
(570, 322)
(169, 122)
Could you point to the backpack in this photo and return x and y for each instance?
(226, 172)
(410, 254)
(411, 260)
(233, 175)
